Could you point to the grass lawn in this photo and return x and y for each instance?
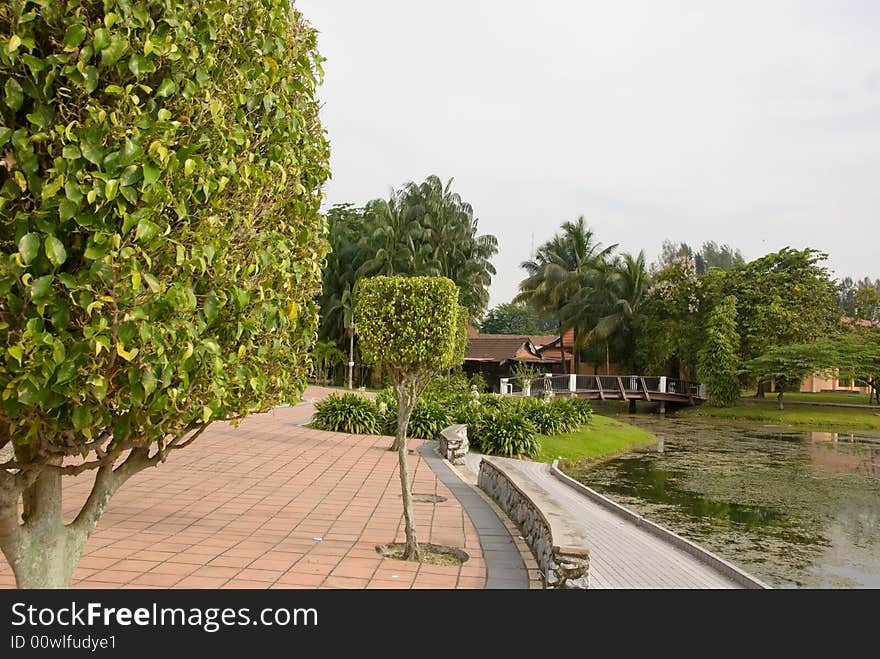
(819, 418)
(830, 397)
(602, 437)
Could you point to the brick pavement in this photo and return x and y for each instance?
(271, 505)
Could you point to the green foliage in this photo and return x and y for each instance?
(423, 229)
(718, 359)
(347, 413)
(525, 371)
(504, 432)
(783, 298)
(429, 417)
(161, 241)
(579, 409)
(550, 418)
(515, 318)
(478, 383)
(409, 324)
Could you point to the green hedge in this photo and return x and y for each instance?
(496, 425)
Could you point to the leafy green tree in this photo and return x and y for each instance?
(515, 318)
(414, 328)
(671, 319)
(786, 297)
(718, 357)
(161, 243)
(787, 365)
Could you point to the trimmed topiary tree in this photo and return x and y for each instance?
(718, 357)
(412, 327)
(161, 166)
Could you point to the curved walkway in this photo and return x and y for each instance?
(623, 555)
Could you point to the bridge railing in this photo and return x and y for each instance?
(632, 384)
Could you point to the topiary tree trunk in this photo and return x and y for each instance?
(406, 400)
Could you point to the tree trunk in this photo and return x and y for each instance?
(350, 357)
(405, 403)
(760, 392)
(779, 400)
(44, 553)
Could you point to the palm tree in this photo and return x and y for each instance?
(326, 355)
(562, 276)
(621, 289)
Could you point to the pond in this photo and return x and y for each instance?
(794, 508)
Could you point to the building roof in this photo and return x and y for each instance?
(500, 348)
(497, 347)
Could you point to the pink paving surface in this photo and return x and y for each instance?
(271, 505)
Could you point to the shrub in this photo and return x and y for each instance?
(478, 383)
(550, 418)
(347, 413)
(428, 418)
(579, 409)
(504, 432)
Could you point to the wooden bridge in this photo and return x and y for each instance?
(650, 388)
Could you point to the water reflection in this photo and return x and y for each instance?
(795, 508)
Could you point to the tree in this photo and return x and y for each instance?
(718, 358)
(561, 278)
(161, 243)
(787, 365)
(710, 255)
(786, 297)
(414, 328)
(671, 319)
(422, 229)
(515, 318)
(326, 355)
(621, 291)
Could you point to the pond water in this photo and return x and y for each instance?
(794, 508)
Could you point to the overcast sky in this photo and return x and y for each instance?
(751, 123)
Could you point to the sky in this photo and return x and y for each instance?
(750, 123)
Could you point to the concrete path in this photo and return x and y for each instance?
(622, 555)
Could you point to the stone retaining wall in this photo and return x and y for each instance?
(563, 567)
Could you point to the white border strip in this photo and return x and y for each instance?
(704, 555)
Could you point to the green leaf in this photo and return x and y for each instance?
(55, 251)
(71, 152)
(81, 417)
(29, 247)
(41, 288)
(14, 95)
(146, 230)
(101, 39)
(15, 352)
(14, 43)
(75, 35)
(166, 88)
(140, 65)
(92, 152)
(151, 173)
(111, 188)
(5, 134)
(188, 166)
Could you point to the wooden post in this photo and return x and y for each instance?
(622, 388)
(645, 389)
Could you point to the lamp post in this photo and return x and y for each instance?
(350, 354)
